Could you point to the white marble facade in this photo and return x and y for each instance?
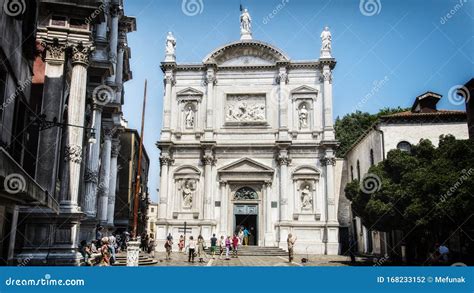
(248, 138)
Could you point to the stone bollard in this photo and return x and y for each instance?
(133, 253)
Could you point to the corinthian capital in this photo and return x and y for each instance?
(328, 161)
(165, 160)
(81, 53)
(73, 153)
(55, 50)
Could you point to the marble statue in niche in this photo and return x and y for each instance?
(188, 194)
(303, 117)
(189, 117)
(306, 200)
(246, 109)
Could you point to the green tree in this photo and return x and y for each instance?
(353, 125)
(430, 189)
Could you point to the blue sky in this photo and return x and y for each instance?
(386, 59)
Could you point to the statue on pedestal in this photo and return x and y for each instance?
(306, 200)
(189, 117)
(170, 47)
(187, 196)
(245, 25)
(326, 40)
(303, 116)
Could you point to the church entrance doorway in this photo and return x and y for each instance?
(246, 217)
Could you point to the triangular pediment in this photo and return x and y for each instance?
(189, 92)
(246, 165)
(304, 89)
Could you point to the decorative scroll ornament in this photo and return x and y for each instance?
(73, 153)
(328, 161)
(283, 77)
(283, 160)
(245, 193)
(165, 160)
(208, 160)
(326, 76)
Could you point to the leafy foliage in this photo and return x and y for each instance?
(353, 125)
(428, 189)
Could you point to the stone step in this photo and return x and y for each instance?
(143, 260)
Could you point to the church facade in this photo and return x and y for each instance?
(248, 140)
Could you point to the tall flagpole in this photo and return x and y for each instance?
(139, 166)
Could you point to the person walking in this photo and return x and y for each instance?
(228, 243)
(168, 248)
(112, 243)
(105, 253)
(241, 236)
(181, 243)
(200, 244)
(221, 246)
(352, 249)
(291, 244)
(246, 236)
(213, 245)
(191, 249)
(235, 246)
(151, 245)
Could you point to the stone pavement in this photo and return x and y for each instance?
(180, 259)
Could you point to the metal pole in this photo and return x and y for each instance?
(139, 166)
(185, 234)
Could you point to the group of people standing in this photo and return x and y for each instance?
(103, 249)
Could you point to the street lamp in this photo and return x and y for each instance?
(44, 124)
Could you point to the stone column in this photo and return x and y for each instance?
(223, 208)
(208, 160)
(165, 161)
(283, 93)
(91, 176)
(52, 107)
(169, 83)
(269, 229)
(329, 161)
(14, 225)
(112, 182)
(327, 101)
(284, 162)
(210, 81)
(76, 112)
(114, 31)
(101, 28)
(103, 189)
(119, 72)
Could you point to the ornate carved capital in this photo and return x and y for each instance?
(210, 79)
(55, 51)
(282, 77)
(73, 153)
(109, 133)
(208, 159)
(91, 176)
(115, 148)
(165, 160)
(170, 79)
(81, 54)
(283, 160)
(326, 76)
(328, 161)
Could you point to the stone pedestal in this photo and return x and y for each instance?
(133, 253)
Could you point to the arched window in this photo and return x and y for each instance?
(404, 146)
(358, 170)
(372, 161)
(352, 173)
